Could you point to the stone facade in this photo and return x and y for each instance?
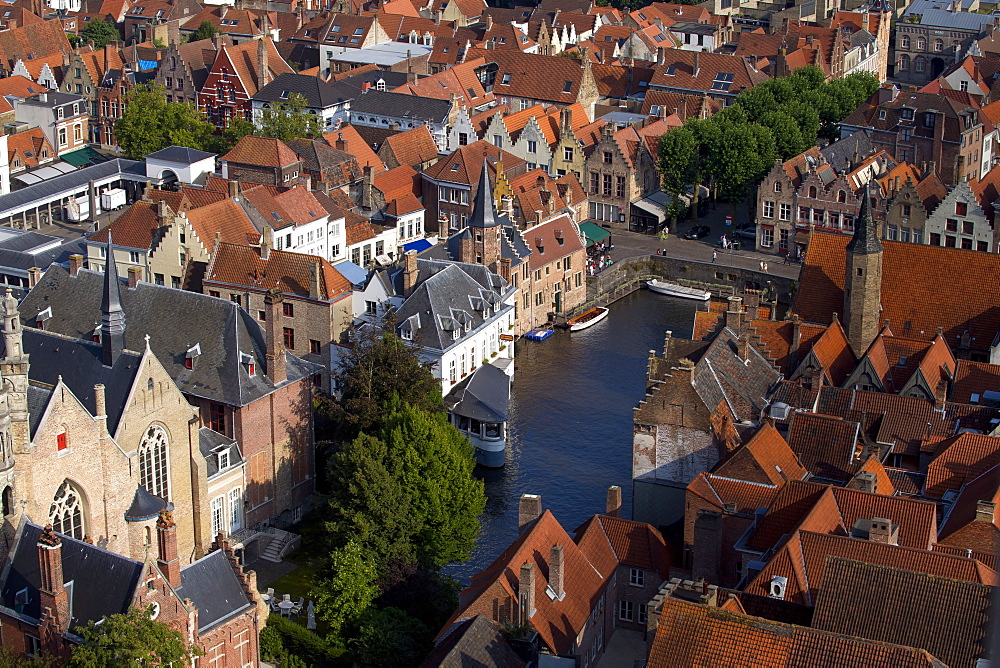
(611, 180)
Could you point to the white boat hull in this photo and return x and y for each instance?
(577, 326)
(681, 291)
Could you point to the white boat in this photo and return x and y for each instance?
(587, 318)
(675, 290)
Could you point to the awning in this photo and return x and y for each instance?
(595, 233)
(420, 245)
(651, 206)
(85, 156)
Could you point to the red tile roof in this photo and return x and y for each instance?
(964, 526)
(911, 293)
(241, 265)
(412, 147)
(883, 483)
(543, 240)
(224, 221)
(827, 445)
(262, 151)
(136, 228)
(398, 182)
(635, 544)
(465, 164)
(972, 378)
(960, 459)
(765, 458)
(740, 495)
(690, 634)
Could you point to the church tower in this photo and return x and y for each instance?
(863, 280)
(112, 313)
(483, 245)
(14, 395)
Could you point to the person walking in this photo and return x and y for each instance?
(715, 257)
(765, 267)
(762, 265)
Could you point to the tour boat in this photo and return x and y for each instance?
(587, 319)
(539, 334)
(675, 290)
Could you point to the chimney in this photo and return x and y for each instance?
(743, 347)
(409, 272)
(75, 264)
(556, 574)
(266, 242)
(134, 276)
(274, 335)
(166, 549)
(100, 409)
(340, 144)
(234, 185)
(529, 508)
(314, 287)
(985, 511)
(366, 186)
(34, 275)
(613, 504)
(52, 598)
(734, 314)
(866, 481)
(881, 530)
(526, 592)
(697, 63)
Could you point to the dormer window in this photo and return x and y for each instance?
(906, 114)
(42, 317)
(193, 352)
(224, 459)
(248, 362)
(406, 334)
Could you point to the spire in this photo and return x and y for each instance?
(483, 207)
(865, 240)
(112, 314)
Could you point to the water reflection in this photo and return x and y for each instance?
(571, 419)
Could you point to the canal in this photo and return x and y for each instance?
(571, 419)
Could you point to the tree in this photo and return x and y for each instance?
(346, 595)
(205, 31)
(678, 160)
(99, 32)
(288, 119)
(132, 639)
(150, 123)
(390, 637)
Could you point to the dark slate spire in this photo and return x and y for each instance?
(865, 240)
(483, 207)
(112, 314)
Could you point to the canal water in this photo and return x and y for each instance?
(570, 432)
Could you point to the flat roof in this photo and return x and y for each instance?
(383, 53)
(67, 184)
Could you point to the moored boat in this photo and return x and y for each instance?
(675, 290)
(587, 318)
(539, 334)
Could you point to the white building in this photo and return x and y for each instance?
(186, 165)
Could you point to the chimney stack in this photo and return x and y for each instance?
(234, 185)
(266, 242)
(529, 509)
(366, 186)
(985, 511)
(340, 144)
(52, 598)
(734, 314)
(556, 573)
(167, 559)
(866, 481)
(263, 73)
(697, 63)
(34, 275)
(613, 505)
(526, 592)
(409, 272)
(134, 276)
(743, 347)
(881, 530)
(314, 289)
(100, 409)
(75, 264)
(274, 335)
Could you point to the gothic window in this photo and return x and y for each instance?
(8, 500)
(66, 513)
(153, 462)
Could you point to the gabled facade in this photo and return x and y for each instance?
(959, 222)
(235, 77)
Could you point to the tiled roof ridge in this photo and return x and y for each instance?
(714, 476)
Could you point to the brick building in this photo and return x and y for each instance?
(235, 77)
(211, 602)
(263, 160)
(309, 299)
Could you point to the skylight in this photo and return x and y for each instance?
(723, 80)
(671, 71)
(506, 79)
(568, 86)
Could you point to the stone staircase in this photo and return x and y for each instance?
(282, 542)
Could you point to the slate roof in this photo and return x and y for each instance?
(318, 93)
(213, 587)
(176, 320)
(474, 641)
(911, 290)
(180, 154)
(145, 506)
(948, 618)
(75, 181)
(401, 105)
(721, 376)
(690, 634)
(485, 397)
(448, 295)
(209, 442)
(104, 583)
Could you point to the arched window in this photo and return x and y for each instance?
(939, 45)
(904, 63)
(921, 44)
(904, 42)
(7, 500)
(842, 196)
(777, 186)
(153, 462)
(812, 192)
(66, 513)
(919, 64)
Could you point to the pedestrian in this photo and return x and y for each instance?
(762, 265)
(765, 267)
(715, 257)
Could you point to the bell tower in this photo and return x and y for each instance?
(863, 280)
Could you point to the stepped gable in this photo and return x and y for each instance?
(689, 634)
(827, 446)
(949, 618)
(958, 460)
(913, 297)
(803, 558)
(972, 522)
(974, 378)
(765, 458)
